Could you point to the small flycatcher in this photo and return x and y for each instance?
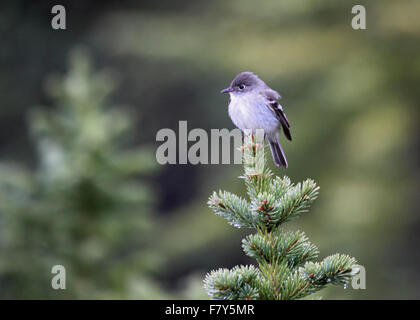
(254, 105)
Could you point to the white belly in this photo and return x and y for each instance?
(252, 114)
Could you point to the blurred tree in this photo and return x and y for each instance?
(84, 206)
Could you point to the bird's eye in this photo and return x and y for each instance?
(242, 87)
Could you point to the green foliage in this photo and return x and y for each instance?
(85, 206)
(237, 284)
(285, 258)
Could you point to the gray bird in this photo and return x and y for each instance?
(254, 105)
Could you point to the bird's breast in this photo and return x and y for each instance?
(252, 113)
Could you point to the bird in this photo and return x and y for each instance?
(254, 105)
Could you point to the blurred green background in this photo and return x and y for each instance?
(80, 108)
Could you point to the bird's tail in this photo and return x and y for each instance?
(278, 153)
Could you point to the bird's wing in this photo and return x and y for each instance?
(272, 98)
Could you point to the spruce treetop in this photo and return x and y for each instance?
(286, 259)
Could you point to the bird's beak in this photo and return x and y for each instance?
(226, 90)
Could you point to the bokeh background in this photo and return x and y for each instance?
(80, 108)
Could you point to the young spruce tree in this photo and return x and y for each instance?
(85, 205)
(286, 266)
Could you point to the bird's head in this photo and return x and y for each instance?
(243, 83)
